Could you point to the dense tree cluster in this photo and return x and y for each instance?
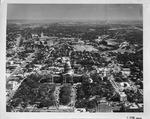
(31, 92)
(99, 87)
(134, 37)
(65, 95)
(87, 58)
(136, 58)
(134, 96)
(11, 27)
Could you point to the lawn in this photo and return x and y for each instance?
(84, 47)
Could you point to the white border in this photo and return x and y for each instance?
(146, 41)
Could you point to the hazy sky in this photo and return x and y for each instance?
(75, 11)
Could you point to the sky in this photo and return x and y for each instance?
(75, 11)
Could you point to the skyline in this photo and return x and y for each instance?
(75, 11)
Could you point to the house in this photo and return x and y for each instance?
(132, 107)
(126, 71)
(123, 96)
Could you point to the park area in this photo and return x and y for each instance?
(84, 48)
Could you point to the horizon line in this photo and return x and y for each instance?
(83, 19)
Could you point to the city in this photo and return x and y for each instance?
(74, 66)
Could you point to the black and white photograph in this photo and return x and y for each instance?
(83, 59)
(76, 58)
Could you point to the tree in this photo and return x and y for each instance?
(80, 93)
(91, 104)
(64, 96)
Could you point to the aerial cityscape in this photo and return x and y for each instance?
(74, 58)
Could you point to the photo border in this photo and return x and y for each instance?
(47, 115)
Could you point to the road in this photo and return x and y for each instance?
(137, 28)
(11, 58)
(20, 66)
(56, 95)
(134, 27)
(113, 83)
(12, 92)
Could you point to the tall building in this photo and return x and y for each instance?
(103, 106)
(68, 73)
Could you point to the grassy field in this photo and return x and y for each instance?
(84, 47)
